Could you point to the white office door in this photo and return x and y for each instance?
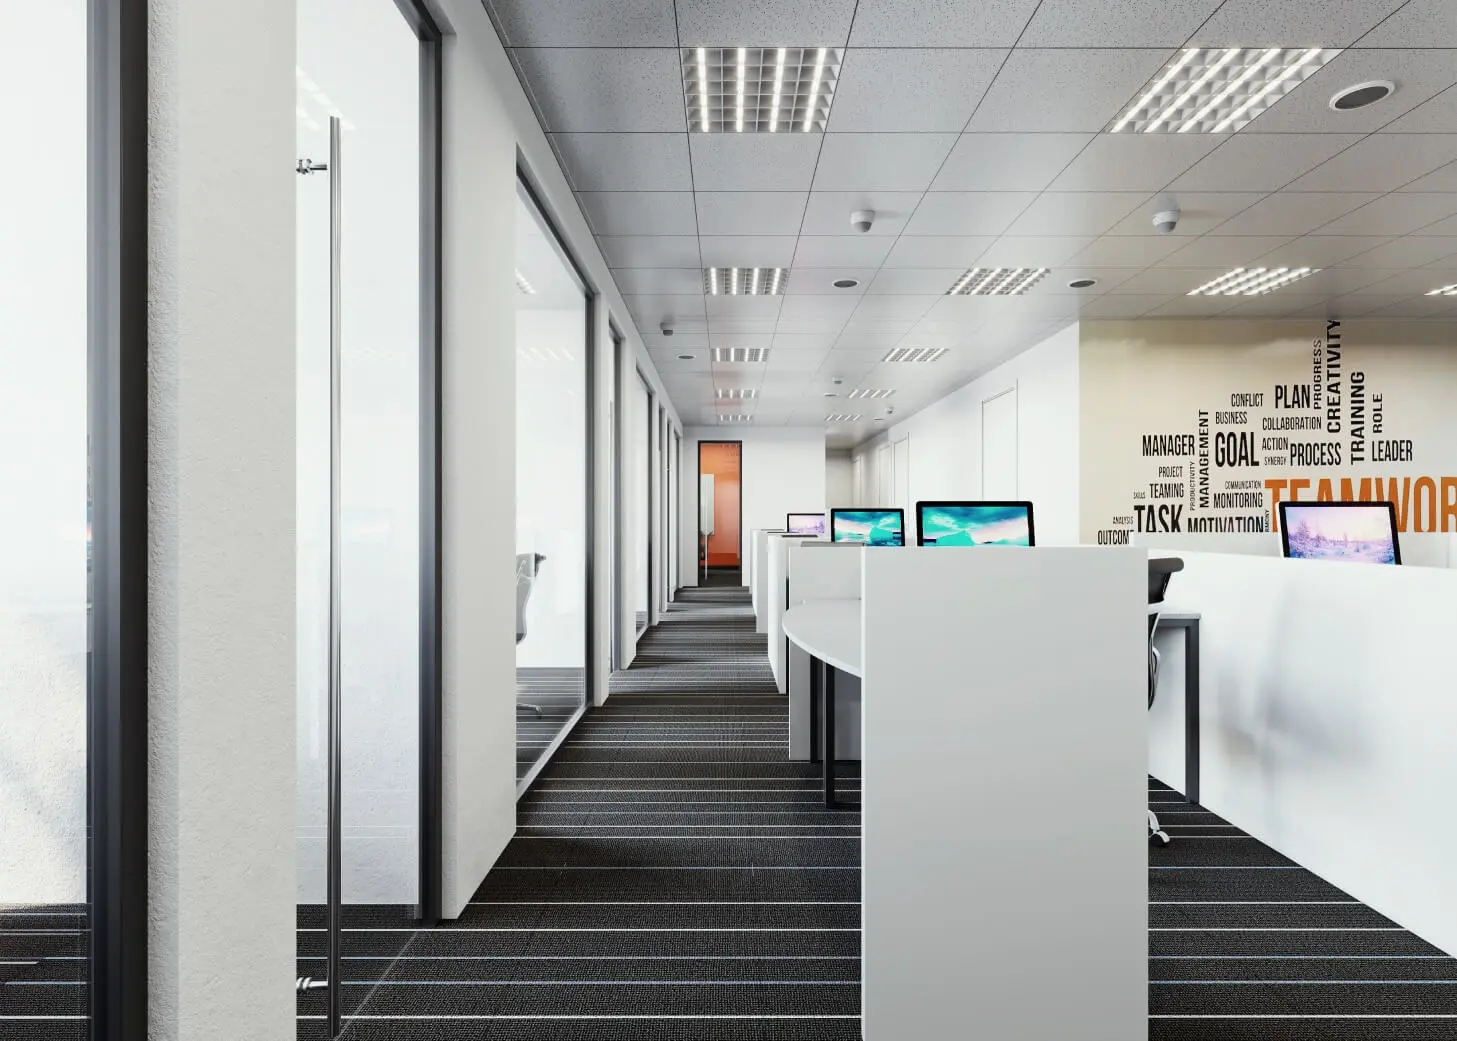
(883, 475)
(901, 474)
(999, 446)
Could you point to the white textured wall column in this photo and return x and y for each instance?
(479, 463)
(222, 389)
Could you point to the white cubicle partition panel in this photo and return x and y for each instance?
(1005, 857)
(776, 568)
(1327, 718)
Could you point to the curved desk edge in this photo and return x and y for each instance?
(828, 630)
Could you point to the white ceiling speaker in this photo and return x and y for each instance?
(1361, 95)
(861, 220)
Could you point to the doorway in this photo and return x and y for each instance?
(720, 513)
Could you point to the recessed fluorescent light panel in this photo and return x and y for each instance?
(870, 392)
(1217, 90)
(735, 417)
(741, 355)
(744, 281)
(759, 90)
(843, 417)
(524, 287)
(909, 354)
(737, 393)
(1445, 291)
(997, 281)
(1252, 281)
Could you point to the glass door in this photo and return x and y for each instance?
(359, 497)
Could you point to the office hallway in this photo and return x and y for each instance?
(673, 876)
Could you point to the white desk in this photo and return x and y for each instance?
(828, 630)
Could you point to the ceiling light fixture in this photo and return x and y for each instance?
(913, 354)
(870, 392)
(1213, 90)
(997, 281)
(735, 417)
(814, 90)
(735, 393)
(843, 417)
(685, 357)
(739, 106)
(703, 90)
(1252, 281)
(1082, 283)
(748, 281)
(1361, 95)
(778, 91)
(740, 355)
(845, 283)
(1445, 291)
(758, 89)
(523, 286)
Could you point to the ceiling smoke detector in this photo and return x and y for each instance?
(1361, 95)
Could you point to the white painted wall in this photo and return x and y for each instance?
(782, 470)
(489, 129)
(839, 480)
(946, 438)
(221, 520)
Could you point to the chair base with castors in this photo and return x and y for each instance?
(1155, 833)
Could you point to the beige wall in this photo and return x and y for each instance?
(1264, 411)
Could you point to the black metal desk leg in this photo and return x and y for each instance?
(827, 742)
(1191, 711)
(814, 709)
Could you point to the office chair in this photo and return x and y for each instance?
(528, 566)
(1159, 570)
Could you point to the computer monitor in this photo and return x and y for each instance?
(1355, 531)
(805, 523)
(869, 527)
(1006, 523)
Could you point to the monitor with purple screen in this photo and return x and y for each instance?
(1363, 532)
(805, 524)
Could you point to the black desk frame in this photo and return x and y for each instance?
(822, 723)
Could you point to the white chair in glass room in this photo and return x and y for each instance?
(528, 566)
(1159, 571)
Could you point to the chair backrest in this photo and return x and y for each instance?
(1159, 570)
(528, 566)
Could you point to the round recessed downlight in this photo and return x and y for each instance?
(1361, 95)
(685, 357)
(846, 283)
(1082, 283)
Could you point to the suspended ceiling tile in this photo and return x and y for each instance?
(818, 308)
(880, 162)
(1252, 162)
(1419, 23)
(1075, 213)
(1134, 162)
(1440, 180)
(659, 281)
(1381, 163)
(1407, 251)
(818, 281)
(1224, 250)
(754, 162)
(828, 213)
(1319, 250)
(968, 213)
(747, 250)
(1126, 23)
(1199, 212)
(910, 280)
(1008, 162)
(940, 23)
(764, 23)
(626, 162)
(750, 213)
(1400, 213)
(586, 23)
(841, 250)
(1291, 23)
(606, 90)
(938, 250)
(1294, 213)
(659, 251)
(1051, 251)
(640, 213)
(1437, 115)
(911, 90)
(1045, 89)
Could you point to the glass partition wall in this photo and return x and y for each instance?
(553, 520)
(364, 498)
(639, 502)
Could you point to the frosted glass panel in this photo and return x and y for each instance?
(44, 515)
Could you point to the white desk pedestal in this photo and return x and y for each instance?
(1005, 743)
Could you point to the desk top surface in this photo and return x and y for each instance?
(829, 630)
